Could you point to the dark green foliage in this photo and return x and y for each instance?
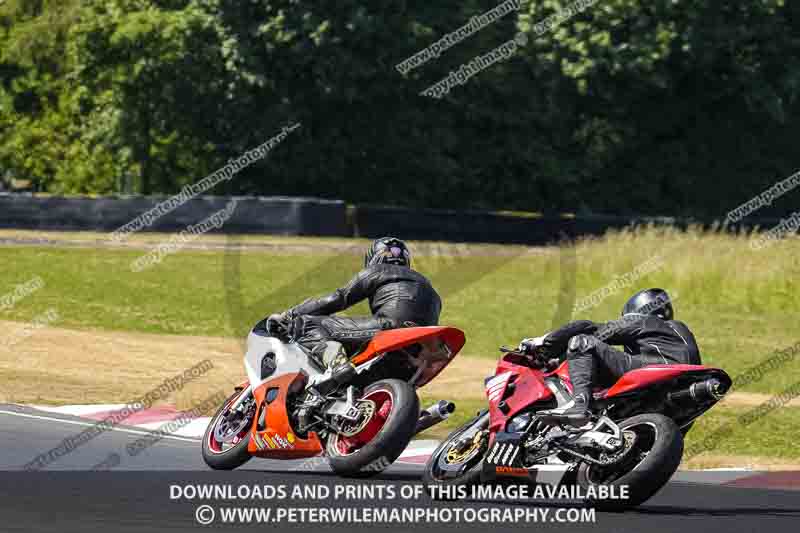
(654, 107)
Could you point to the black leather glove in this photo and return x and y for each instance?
(295, 326)
(278, 325)
(532, 345)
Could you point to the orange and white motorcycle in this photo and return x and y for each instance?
(360, 416)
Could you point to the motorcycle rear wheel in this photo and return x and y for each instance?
(654, 458)
(393, 411)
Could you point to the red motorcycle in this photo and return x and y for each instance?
(635, 438)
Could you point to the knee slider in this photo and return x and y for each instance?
(580, 344)
(390, 323)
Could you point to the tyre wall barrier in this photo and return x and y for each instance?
(484, 226)
(272, 215)
(313, 216)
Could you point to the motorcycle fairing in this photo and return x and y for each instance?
(635, 379)
(562, 372)
(277, 440)
(648, 375)
(503, 460)
(440, 344)
(506, 466)
(530, 385)
(287, 359)
(529, 388)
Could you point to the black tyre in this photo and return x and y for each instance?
(391, 414)
(227, 436)
(652, 459)
(459, 459)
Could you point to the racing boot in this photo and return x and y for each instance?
(340, 375)
(581, 368)
(328, 354)
(317, 356)
(575, 413)
(334, 354)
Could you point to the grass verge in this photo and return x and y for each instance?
(741, 303)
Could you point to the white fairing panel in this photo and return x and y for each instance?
(289, 359)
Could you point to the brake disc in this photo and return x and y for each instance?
(366, 410)
(455, 455)
(233, 423)
(629, 439)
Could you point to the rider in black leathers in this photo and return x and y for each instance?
(647, 332)
(398, 297)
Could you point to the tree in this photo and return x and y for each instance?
(620, 106)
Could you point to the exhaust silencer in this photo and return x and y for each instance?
(703, 391)
(438, 412)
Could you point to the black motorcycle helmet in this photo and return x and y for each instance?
(654, 302)
(388, 250)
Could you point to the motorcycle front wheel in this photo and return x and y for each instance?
(227, 436)
(459, 459)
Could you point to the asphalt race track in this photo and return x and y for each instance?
(135, 495)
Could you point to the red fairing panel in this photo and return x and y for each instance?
(394, 339)
(643, 377)
(562, 372)
(530, 388)
(439, 346)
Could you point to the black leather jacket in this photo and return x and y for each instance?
(639, 334)
(395, 292)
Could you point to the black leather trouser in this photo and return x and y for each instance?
(592, 361)
(353, 332)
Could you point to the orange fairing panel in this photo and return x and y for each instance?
(394, 339)
(278, 440)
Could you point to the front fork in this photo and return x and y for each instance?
(248, 391)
